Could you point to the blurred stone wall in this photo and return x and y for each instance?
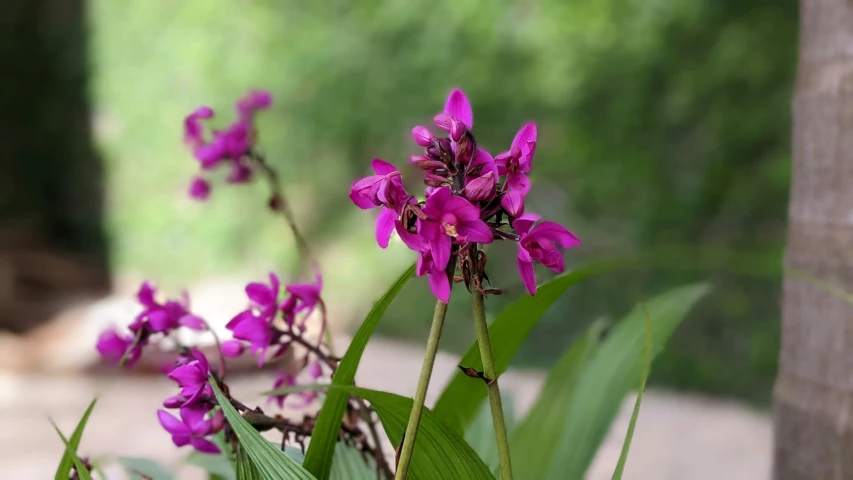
(52, 244)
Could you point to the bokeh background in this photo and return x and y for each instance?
(664, 133)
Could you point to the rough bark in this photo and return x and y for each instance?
(814, 389)
(51, 240)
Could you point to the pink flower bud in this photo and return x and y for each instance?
(199, 189)
(422, 136)
(481, 188)
(232, 348)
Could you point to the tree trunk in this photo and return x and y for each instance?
(814, 389)
(52, 246)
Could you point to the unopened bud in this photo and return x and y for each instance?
(481, 188)
(422, 136)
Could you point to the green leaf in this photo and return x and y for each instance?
(533, 444)
(68, 458)
(439, 451)
(144, 468)
(481, 432)
(610, 375)
(647, 367)
(321, 450)
(461, 399)
(246, 469)
(351, 464)
(82, 472)
(270, 462)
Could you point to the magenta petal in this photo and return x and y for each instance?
(477, 231)
(232, 348)
(172, 424)
(413, 241)
(556, 233)
(174, 401)
(193, 322)
(259, 293)
(518, 182)
(435, 204)
(314, 370)
(381, 167)
(204, 445)
(440, 248)
(525, 137)
(528, 276)
(462, 209)
(199, 189)
(422, 136)
(513, 202)
(524, 223)
(439, 284)
(384, 226)
(160, 321)
(457, 105)
(146, 293)
(482, 157)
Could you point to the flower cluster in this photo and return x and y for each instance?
(196, 403)
(155, 318)
(272, 321)
(471, 199)
(232, 145)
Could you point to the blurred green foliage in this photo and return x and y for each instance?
(661, 124)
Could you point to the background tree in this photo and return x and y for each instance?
(814, 389)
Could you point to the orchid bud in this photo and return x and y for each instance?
(481, 188)
(422, 136)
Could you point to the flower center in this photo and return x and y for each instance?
(449, 221)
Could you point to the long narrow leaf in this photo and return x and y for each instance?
(439, 452)
(246, 469)
(610, 375)
(70, 454)
(82, 471)
(321, 450)
(532, 446)
(461, 399)
(647, 367)
(270, 462)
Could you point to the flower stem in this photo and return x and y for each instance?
(492, 382)
(408, 446)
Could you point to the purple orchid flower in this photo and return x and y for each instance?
(383, 189)
(516, 164)
(457, 107)
(193, 427)
(307, 295)
(451, 217)
(193, 128)
(255, 330)
(439, 283)
(113, 347)
(252, 102)
(537, 243)
(191, 375)
(264, 296)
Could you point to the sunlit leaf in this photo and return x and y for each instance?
(321, 450)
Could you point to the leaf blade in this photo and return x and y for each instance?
(321, 450)
(270, 462)
(67, 460)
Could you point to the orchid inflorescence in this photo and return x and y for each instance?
(275, 321)
(471, 199)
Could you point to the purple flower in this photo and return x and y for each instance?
(264, 296)
(451, 217)
(252, 102)
(192, 378)
(516, 164)
(255, 330)
(422, 136)
(232, 348)
(199, 189)
(539, 243)
(456, 107)
(383, 189)
(307, 295)
(193, 128)
(193, 427)
(439, 283)
(283, 380)
(113, 347)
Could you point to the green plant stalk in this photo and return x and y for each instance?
(408, 446)
(494, 391)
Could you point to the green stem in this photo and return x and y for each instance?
(492, 376)
(420, 394)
